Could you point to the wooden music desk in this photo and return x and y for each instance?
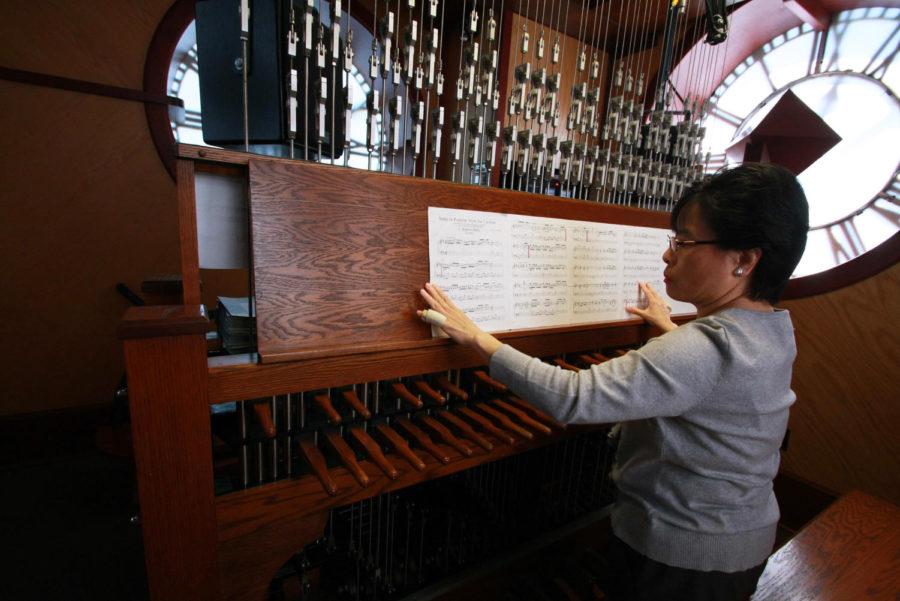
(850, 552)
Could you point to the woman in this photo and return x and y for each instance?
(704, 406)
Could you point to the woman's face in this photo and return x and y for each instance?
(701, 274)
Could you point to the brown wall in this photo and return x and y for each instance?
(86, 201)
(844, 426)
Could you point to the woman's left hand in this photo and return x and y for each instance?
(458, 325)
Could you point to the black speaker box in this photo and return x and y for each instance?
(219, 56)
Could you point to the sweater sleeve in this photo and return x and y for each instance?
(666, 377)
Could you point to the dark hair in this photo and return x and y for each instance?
(755, 205)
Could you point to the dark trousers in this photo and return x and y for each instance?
(631, 576)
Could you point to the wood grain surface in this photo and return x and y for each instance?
(170, 431)
(849, 552)
(844, 433)
(339, 260)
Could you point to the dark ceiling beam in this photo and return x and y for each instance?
(809, 11)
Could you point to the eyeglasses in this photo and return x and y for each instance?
(675, 243)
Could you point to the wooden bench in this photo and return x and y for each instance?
(850, 551)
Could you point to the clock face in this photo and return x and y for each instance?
(845, 75)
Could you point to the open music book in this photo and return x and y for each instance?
(511, 272)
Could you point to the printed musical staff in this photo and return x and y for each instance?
(516, 271)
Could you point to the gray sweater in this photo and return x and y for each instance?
(705, 408)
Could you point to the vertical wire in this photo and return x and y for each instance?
(440, 65)
(489, 99)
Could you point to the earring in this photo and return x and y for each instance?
(738, 271)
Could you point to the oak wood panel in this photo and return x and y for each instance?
(339, 257)
(247, 565)
(844, 432)
(187, 233)
(167, 320)
(170, 430)
(237, 377)
(851, 551)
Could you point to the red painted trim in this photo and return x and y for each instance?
(156, 75)
(810, 12)
(873, 262)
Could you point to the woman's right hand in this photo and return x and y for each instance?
(657, 312)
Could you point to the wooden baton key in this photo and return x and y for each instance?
(350, 397)
(589, 360)
(446, 435)
(535, 412)
(424, 441)
(400, 445)
(490, 382)
(449, 387)
(263, 413)
(523, 417)
(316, 462)
(374, 452)
(423, 387)
(323, 401)
(566, 365)
(406, 396)
(487, 425)
(466, 429)
(505, 421)
(347, 457)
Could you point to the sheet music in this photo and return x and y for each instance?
(468, 252)
(539, 268)
(516, 272)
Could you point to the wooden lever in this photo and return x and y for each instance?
(374, 452)
(450, 388)
(466, 429)
(423, 387)
(263, 413)
(347, 457)
(565, 365)
(505, 421)
(534, 411)
(589, 360)
(487, 425)
(405, 395)
(352, 399)
(523, 417)
(424, 441)
(446, 435)
(489, 381)
(316, 462)
(323, 401)
(400, 445)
